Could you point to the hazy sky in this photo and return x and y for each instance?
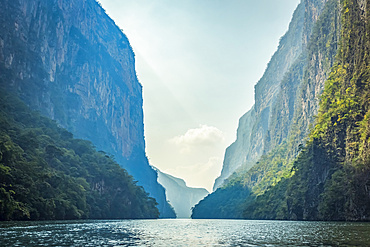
(198, 62)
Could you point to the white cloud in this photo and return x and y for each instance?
(202, 136)
(214, 163)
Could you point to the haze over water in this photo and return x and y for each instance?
(184, 233)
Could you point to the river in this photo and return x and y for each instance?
(185, 232)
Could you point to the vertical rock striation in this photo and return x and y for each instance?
(270, 120)
(253, 126)
(330, 177)
(70, 61)
(274, 131)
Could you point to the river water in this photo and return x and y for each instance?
(184, 233)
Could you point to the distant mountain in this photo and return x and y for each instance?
(68, 60)
(180, 196)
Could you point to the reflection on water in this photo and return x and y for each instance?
(184, 233)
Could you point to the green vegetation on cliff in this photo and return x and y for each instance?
(332, 173)
(322, 173)
(68, 60)
(46, 174)
(292, 112)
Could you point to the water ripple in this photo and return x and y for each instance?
(183, 233)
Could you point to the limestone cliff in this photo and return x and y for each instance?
(270, 120)
(68, 60)
(276, 129)
(298, 99)
(253, 126)
(329, 179)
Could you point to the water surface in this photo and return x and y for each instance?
(184, 233)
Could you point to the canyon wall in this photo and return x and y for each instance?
(68, 60)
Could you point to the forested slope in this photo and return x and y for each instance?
(46, 174)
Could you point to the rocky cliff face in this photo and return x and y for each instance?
(69, 60)
(276, 109)
(330, 176)
(280, 134)
(298, 99)
(180, 196)
(253, 126)
(235, 154)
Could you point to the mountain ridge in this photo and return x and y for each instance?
(180, 196)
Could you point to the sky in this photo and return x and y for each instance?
(198, 62)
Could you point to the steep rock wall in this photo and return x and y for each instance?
(253, 126)
(288, 125)
(276, 92)
(233, 155)
(69, 60)
(298, 99)
(332, 172)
